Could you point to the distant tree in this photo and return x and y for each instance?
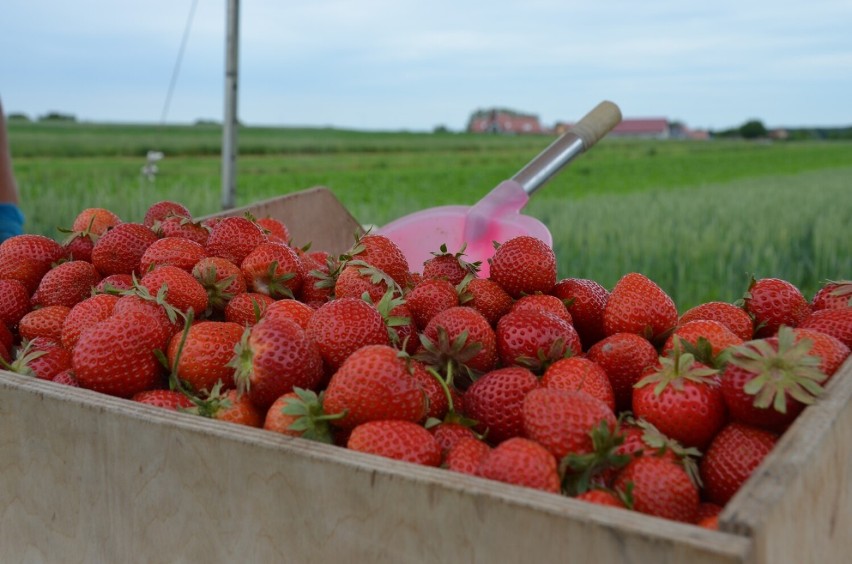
(17, 116)
(441, 129)
(753, 129)
(57, 116)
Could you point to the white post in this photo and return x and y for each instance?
(229, 129)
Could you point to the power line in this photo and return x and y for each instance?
(176, 70)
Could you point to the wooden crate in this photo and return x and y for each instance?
(86, 477)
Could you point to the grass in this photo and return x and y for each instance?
(697, 217)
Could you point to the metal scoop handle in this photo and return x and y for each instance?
(581, 137)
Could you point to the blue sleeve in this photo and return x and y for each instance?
(11, 221)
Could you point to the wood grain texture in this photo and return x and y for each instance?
(91, 478)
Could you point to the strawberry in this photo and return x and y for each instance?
(247, 308)
(95, 220)
(399, 440)
(585, 300)
(66, 284)
(274, 357)
(300, 414)
(524, 265)
(833, 295)
(466, 454)
(43, 322)
(736, 319)
(173, 251)
(563, 420)
(603, 497)
(835, 322)
(342, 326)
(293, 310)
(637, 305)
(26, 258)
(41, 358)
(222, 280)
(114, 284)
(768, 382)
(374, 383)
(273, 269)
(277, 420)
(7, 338)
(449, 266)
(830, 350)
(448, 434)
(232, 407)
(487, 297)
(707, 338)
(14, 302)
(316, 268)
(382, 253)
(159, 211)
(736, 451)
(682, 398)
(428, 298)
(580, 374)
(79, 247)
(178, 287)
(120, 249)
(166, 399)
(185, 228)
(460, 338)
(436, 395)
(624, 357)
(773, 302)
(274, 229)
(661, 488)
(158, 312)
(84, 314)
(67, 378)
(495, 402)
(543, 302)
(521, 462)
(535, 339)
(357, 279)
(116, 356)
(208, 347)
(233, 238)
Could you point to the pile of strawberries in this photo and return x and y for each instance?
(604, 395)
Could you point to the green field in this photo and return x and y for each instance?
(697, 217)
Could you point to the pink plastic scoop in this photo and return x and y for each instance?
(497, 217)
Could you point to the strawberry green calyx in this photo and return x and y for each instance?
(25, 356)
(662, 444)
(160, 299)
(472, 268)
(789, 370)
(389, 302)
(275, 284)
(243, 362)
(580, 471)
(675, 368)
(311, 421)
(449, 357)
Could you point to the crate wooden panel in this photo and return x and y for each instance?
(89, 478)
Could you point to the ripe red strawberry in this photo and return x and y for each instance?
(208, 349)
(625, 357)
(159, 211)
(535, 339)
(833, 295)
(7, 338)
(222, 280)
(166, 399)
(274, 358)
(165, 318)
(563, 420)
(717, 337)
(580, 374)
(773, 302)
(342, 326)
(300, 414)
(66, 284)
(317, 267)
(449, 266)
(275, 229)
(830, 350)
(176, 226)
(79, 247)
(637, 305)
(732, 457)
(173, 251)
(681, 398)
(41, 358)
(585, 300)
(661, 488)
(116, 356)
(495, 402)
(233, 238)
(181, 290)
(277, 420)
(374, 383)
(95, 220)
(26, 258)
(67, 378)
(543, 302)
(466, 454)
(233, 407)
(736, 319)
(399, 440)
(487, 297)
(602, 497)
(768, 382)
(448, 434)
(436, 396)
(14, 302)
(460, 336)
(521, 462)
(120, 249)
(382, 253)
(524, 265)
(43, 322)
(85, 314)
(247, 308)
(429, 297)
(355, 280)
(293, 310)
(114, 284)
(273, 269)
(835, 322)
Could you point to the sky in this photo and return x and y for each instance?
(417, 65)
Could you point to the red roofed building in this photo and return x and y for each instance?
(503, 121)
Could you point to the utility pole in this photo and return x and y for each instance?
(229, 129)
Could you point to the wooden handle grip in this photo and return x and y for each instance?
(597, 123)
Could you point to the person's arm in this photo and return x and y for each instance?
(11, 218)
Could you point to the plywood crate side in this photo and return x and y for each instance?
(314, 216)
(88, 477)
(797, 506)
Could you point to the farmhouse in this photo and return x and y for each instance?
(497, 120)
